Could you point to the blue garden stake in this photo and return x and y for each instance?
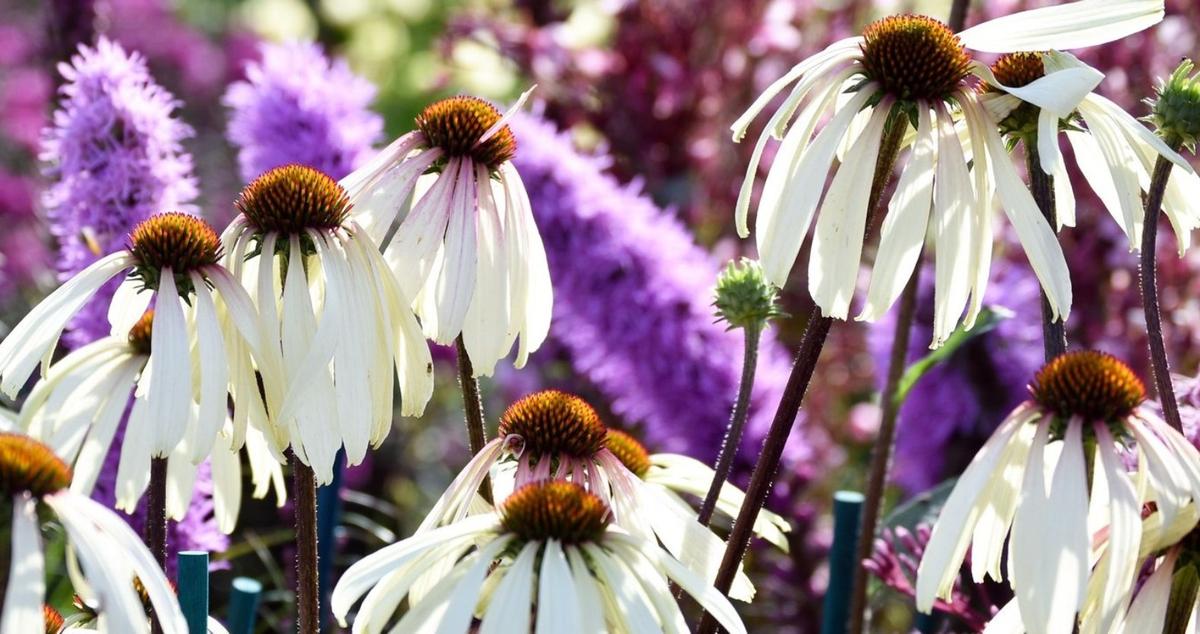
(329, 511)
(847, 509)
(243, 605)
(193, 589)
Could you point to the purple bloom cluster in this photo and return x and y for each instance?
(632, 307)
(297, 106)
(114, 155)
(953, 409)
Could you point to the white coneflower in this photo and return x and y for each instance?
(902, 70)
(548, 561)
(1031, 477)
(1032, 93)
(110, 556)
(331, 322)
(468, 252)
(172, 260)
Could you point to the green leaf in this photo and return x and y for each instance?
(1185, 585)
(989, 318)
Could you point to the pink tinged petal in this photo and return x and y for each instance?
(903, 232)
(22, 609)
(1050, 542)
(951, 533)
(533, 295)
(778, 247)
(1063, 27)
(1125, 531)
(214, 373)
(487, 323)
(453, 504)
(411, 252)
(953, 230)
(382, 162)
(841, 224)
(1149, 608)
(36, 336)
(506, 117)
(456, 282)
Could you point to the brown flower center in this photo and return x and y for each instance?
(139, 334)
(27, 465)
(914, 57)
(629, 451)
(177, 240)
(554, 509)
(553, 423)
(293, 199)
(1019, 69)
(456, 124)
(1093, 385)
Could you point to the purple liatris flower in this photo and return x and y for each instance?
(297, 106)
(114, 157)
(632, 307)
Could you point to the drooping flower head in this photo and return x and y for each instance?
(468, 252)
(550, 555)
(908, 70)
(1029, 483)
(1036, 94)
(297, 106)
(110, 555)
(327, 366)
(114, 156)
(172, 260)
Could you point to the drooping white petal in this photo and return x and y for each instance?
(137, 447)
(999, 499)
(351, 357)
(1050, 543)
(21, 612)
(591, 603)
(456, 281)
(508, 609)
(1121, 165)
(1064, 197)
(1125, 531)
(533, 294)
(1006, 621)
(976, 121)
(226, 469)
(88, 463)
(462, 601)
(128, 304)
(953, 231)
(35, 336)
(411, 252)
(214, 373)
(487, 323)
(506, 117)
(169, 394)
(1149, 608)
(632, 609)
(1064, 27)
(841, 224)
(903, 232)
(557, 606)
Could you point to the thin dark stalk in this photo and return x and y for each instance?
(1041, 185)
(737, 422)
(1148, 275)
(308, 597)
(881, 457)
(473, 408)
(155, 531)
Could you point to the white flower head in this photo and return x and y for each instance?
(1035, 95)
(467, 252)
(198, 335)
(909, 70)
(1029, 484)
(110, 557)
(550, 555)
(331, 321)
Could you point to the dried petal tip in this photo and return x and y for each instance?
(744, 297)
(292, 199)
(177, 240)
(27, 465)
(914, 57)
(1176, 111)
(139, 335)
(629, 451)
(552, 423)
(554, 509)
(1093, 385)
(456, 124)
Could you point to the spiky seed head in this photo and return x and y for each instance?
(1175, 112)
(1093, 385)
(629, 451)
(554, 423)
(292, 199)
(139, 334)
(914, 57)
(177, 240)
(554, 509)
(744, 297)
(27, 465)
(456, 124)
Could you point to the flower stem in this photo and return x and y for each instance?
(737, 422)
(1149, 283)
(156, 519)
(308, 598)
(473, 407)
(881, 457)
(1041, 185)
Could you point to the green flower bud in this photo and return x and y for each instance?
(744, 297)
(1176, 111)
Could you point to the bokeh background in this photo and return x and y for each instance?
(633, 178)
